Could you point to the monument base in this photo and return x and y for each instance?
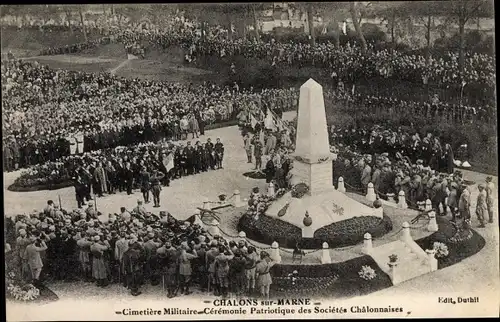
(325, 208)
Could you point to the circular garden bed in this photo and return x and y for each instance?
(348, 232)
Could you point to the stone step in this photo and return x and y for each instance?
(410, 265)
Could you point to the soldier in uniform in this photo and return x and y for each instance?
(248, 147)
(490, 187)
(210, 256)
(145, 184)
(464, 204)
(132, 266)
(481, 206)
(257, 152)
(156, 187)
(168, 258)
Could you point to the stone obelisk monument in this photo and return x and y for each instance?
(312, 165)
(313, 160)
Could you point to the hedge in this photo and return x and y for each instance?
(348, 232)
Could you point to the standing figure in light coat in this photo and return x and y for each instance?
(35, 263)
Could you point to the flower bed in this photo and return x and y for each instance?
(332, 280)
(361, 275)
(458, 250)
(267, 229)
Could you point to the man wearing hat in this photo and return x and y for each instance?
(489, 188)
(481, 206)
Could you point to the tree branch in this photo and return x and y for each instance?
(472, 12)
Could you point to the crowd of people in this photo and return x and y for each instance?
(133, 248)
(348, 62)
(46, 110)
(145, 166)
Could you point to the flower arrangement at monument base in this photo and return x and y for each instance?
(267, 229)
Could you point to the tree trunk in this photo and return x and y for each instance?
(428, 40)
(112, 9)
(68, 16)
(393, 22)
(357, 27)
(336, 33)
(230, 27)
(255, 24)
(84, 30)
(203, 31)
(310, 22)
(461, 49)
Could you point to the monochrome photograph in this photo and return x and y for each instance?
(250, 160)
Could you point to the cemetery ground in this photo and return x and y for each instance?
(474, 275)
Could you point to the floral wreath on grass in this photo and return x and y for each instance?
(20, 291)
(367, 273)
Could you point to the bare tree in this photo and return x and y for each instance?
(463, 11)
(356, 20)
(82, 21)
(255, 21)
(310, 21)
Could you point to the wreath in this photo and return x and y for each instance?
(299, 190)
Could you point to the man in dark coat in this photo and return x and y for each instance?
(178, 162)
(80, 191)
(270, 170)
(219, 153)
(129, 178)
(189, 154)
(211, 153)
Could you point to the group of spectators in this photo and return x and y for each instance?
(44, 110)
(348, 62)
(133, 248)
